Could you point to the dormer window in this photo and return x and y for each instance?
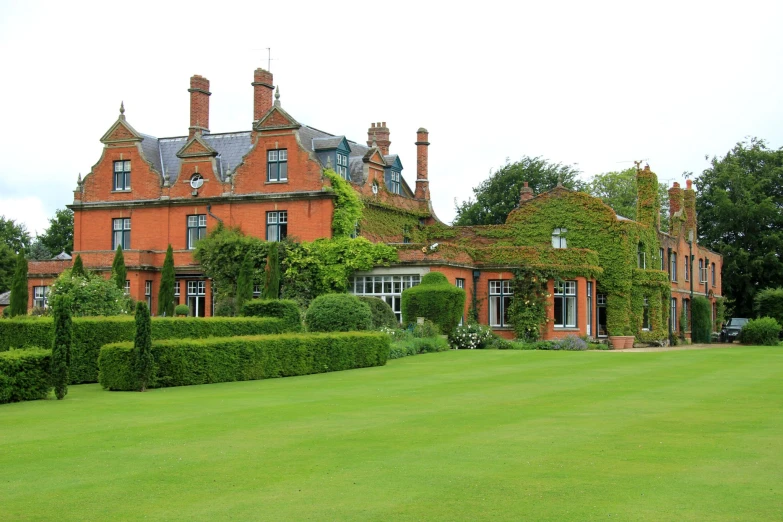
(342, 165)
(277, 165)
(558, 238)
(394, 186)
(122, 171)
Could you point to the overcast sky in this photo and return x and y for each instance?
(588, 83)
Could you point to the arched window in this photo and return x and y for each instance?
(558, 238)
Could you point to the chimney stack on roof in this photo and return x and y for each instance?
(422, 160)
(378, 133)
(263, 87)
(199, 105)
(525, 194)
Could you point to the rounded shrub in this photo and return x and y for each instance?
(285, 309)
(382, 313)
(181, 310)
(701, 321)
(769, 303)
(761, 331)
(435, 299)
(338, 313)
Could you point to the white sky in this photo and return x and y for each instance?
(588, 83)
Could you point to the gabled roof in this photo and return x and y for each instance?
(393, 161)
(121, 131)
(196, 147)
(276, 119)
(331, 143)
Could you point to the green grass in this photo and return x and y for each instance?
(468, 435)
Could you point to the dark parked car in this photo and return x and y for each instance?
(732, 329)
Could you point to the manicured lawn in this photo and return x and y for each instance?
(469, 435)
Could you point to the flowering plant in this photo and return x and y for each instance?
(470, 336)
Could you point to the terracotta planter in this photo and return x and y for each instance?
(617, 342)
(629, 340)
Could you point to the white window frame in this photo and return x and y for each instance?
(566, 292)
(500, 295)
(197, 291)
(41, 297)
(196, 229)
(558, 238)
(277, 224)
(148, 293)
(277, 165)
(121, 229)
(122, 176)
(386, 287)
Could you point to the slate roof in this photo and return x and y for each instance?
(327, 143)
(5, 298)
(62, 256)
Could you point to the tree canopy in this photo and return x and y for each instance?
(58, 237)
(738, 205)
(618, 190)
(14, 234)
(498, 195)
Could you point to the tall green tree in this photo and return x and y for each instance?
(38, 251)
(14, 234)
(19, 296)
(118, 271)
(61, 348)
(7, 267)
(498, 195)
(142, 346)
(739, 204)
(167, 282)
(58, 237)
(244, 283)
(78, 267)
(618, 190)
(272, 274)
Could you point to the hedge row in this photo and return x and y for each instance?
(25, 375)
(284, 309)
(184, 362)
(90, 333)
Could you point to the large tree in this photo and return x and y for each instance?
(58, 237)
(740, 214)
(498, 195)
(14, 234)
(7, 267)
(618, 190)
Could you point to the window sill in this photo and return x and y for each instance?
(281, 182)
(123, 191)
(502, 328)
(567, 329)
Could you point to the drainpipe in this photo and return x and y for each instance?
(209, 211)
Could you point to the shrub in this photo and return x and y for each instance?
(415, 345)
(436, 299)
(225, 307)
(167, 282)
(761, 331)
(142, 347)
(244, 283)
(701, 322)
(118, 270)
(90, 333)
(568, 343)
(91, 295)
(7, 312)
(61, 348)
(426, 329)
(769, 303)
(285, 309)
(181, 310)
(184, 362)
(470, 336)
(498, 343)
(382, 313)
(402, 349)
(24, 375)
(18, 305)
(338, 313)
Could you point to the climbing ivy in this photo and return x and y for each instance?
(528, 307)
(348, 206)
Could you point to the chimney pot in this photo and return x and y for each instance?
(422, 164)
(689, 184)
(379, 136)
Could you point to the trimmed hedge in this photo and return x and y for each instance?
(338, 313)
(763, 331)
(90, 333)
(285, 309)
(183, 362)
(701, 320)
(436, 299)
(25, 375)
(382, 313)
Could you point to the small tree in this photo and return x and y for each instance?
(78, 267)
(118, 271)
(701, 327)
(61, 348)
(19, 295)
(142, 346)
(244, 284)
(166, 291)
(435, 299)
(272, 274)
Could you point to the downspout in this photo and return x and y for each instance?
(669, 304)
(209, 211)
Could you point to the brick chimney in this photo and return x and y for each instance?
(690, 209)
(422, 146)
(199, 105)
(675, 204)
(379, 133)
(263, 88)
(525, 194)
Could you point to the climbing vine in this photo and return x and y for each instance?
(528, 307)
(348, 206)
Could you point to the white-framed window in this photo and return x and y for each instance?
(342, 165)
(702, 272)
(558, 238)
(256, 291)
(197, 291)
(673, 265)
(197, 229)
(499, 302)
(641, 256)
(565, 304)
(120, 233)
(126, 289)
(646, 315)
(662, 258)
(673, 314)
(148, 294)
(386, 287)
(122, 172)
(460, 283)
(41, 296)
(395, 186)
(600, 312)
(176, 290)
(276, 225)
(277, 165)
(687, 269)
